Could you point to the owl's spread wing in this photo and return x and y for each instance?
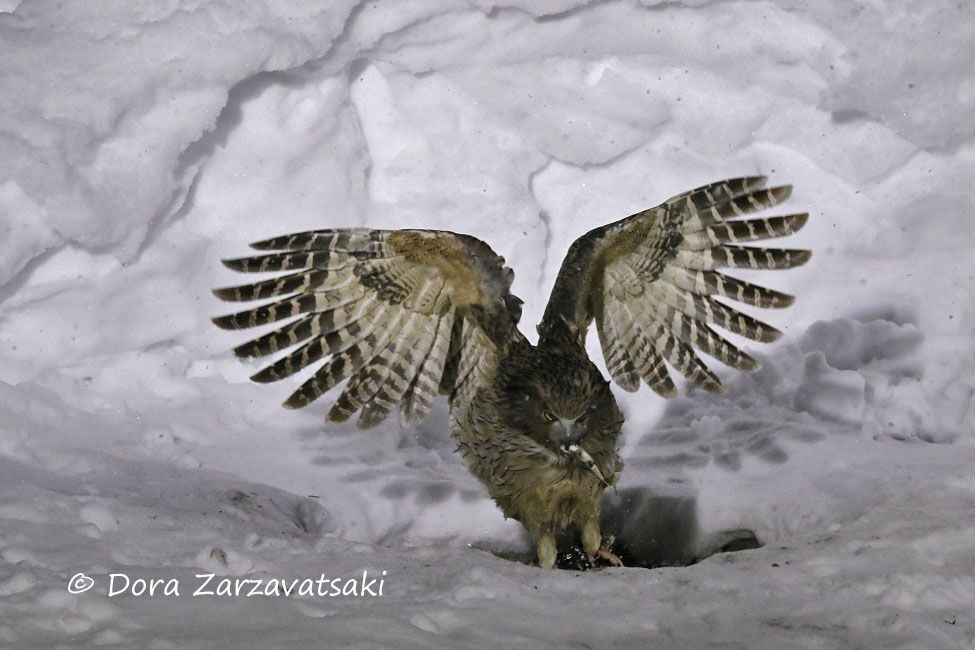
(401, 312)
(650, 282)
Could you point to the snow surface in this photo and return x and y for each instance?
(141, 142)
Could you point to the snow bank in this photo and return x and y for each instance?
(100, 101)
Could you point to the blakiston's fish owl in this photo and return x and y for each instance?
(409, 313)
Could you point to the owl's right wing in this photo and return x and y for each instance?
(401, 312)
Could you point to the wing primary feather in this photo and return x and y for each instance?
(697, 334)
(268, 313)
(670, 299)
(391, 371)
(329, 299)
(296, 260)
(420, 396)
(317, 324)
(694, 213)
(755, 201)
(339, 339)
(345, 362)
(614, 351)
(410, 352)
(651, 367)
(368, 383)
(742, 257)
(291, 334)
(710, 342)
(741, 323)
(718, 193)
(667, 345)
(645, 354)
(345, 240)
(713, 282)
(291, 283)
(745, 230)
(682, 357)
(349, 401)
(760, 258)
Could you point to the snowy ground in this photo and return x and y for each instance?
(141, 142)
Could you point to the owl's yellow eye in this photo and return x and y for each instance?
(548, 416)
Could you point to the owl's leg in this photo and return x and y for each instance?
(595, 545)
(591, 539)
(546, 550)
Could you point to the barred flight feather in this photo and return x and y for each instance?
(419, 398)
(476, 356)
(346, 362)
(741, 257)
(410, 352)
(401, 361)
(370, 382)
(705, 308)
(619, 366)
(657, 295)
(719, 192)
(650, 364)
(337, 317)
(743, 231)
(291, 261)
(328, 299)
(291, 283)
(642, 350)
(715, 283)
(681, 357)
(693, 217)
(344, 240)
(334, 342)
(696, 333)
(284, 337)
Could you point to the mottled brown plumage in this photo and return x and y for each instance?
(404, 314)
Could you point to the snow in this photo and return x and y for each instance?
(143, 142)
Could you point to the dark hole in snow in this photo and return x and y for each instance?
(650, 531)
(654, 530)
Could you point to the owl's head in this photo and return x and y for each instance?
(560, 399)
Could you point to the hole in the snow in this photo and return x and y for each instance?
(650, 531)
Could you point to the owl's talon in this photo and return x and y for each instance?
(609, 556)
(606, 554)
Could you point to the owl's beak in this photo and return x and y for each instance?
(566, 432)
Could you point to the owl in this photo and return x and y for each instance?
(407, 314)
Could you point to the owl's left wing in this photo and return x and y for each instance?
(402, 313)
(650, 282)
